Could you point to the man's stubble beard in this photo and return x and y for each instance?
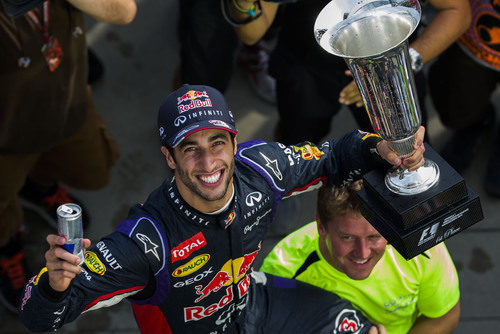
(194, 188)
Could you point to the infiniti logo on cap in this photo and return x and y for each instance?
(180, 120)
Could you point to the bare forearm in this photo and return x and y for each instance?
(252, 32)
(110, 11)
(442, 325)
(452, 20)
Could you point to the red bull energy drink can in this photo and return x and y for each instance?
(69, 225)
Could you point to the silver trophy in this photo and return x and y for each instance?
(371, 35)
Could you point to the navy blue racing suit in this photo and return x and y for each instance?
(188, 272)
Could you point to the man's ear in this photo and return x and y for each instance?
(170, 159)
(321, 229)
(234, 144)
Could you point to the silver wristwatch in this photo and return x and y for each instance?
(416, 60)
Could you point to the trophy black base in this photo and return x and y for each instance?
(413, 224)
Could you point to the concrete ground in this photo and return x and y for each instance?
(140, 60)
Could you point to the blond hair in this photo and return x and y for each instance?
(337, 201)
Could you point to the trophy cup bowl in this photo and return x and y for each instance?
(413, 210)
(372, 38)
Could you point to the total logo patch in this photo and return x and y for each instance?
(185, 248)
(192, 266)
(94, 264)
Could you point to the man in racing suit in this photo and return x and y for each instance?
(183, 258)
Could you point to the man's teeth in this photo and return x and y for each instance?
(212, 178)
(361, 261)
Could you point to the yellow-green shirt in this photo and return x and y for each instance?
(396, 292)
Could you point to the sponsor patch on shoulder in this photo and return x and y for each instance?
(147, 236)
(93, 263)
(346, 322)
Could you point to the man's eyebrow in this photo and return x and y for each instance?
(218, 136)
(185, 143)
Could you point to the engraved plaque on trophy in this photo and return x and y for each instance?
(413, 210)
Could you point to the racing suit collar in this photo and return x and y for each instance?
(224, 219)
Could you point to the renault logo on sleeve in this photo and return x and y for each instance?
(253, 198)
(179, 120)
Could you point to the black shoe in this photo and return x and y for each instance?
(45, 201)
(464, 144)
(13, 274)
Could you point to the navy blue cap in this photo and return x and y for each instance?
(193, 108)
(16, 8)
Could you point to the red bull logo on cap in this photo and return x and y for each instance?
(193, 96)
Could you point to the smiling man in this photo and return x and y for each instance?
(184, 257)
(343, 253)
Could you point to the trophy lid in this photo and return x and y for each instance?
(365, 28)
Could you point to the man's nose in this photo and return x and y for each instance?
(363, 251)
(207, 160)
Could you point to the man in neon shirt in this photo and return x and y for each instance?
(343, 253)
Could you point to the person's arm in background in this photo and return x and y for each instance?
(442, 325)
(451, 21)
(110, 11)
(253, 31)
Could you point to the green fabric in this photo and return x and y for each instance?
(396, 292)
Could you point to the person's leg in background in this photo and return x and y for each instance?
(306, 104)
(13, 270)
(82, 161)
(208, 45)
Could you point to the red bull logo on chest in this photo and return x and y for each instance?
(237, 267)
